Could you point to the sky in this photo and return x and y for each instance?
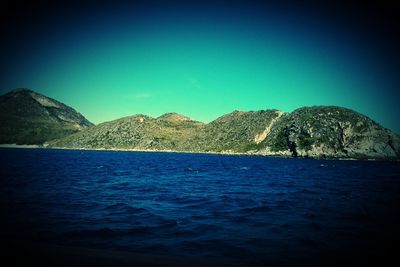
(203, 59)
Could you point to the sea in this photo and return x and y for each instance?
(230, 209)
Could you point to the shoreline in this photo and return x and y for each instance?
(199, 152)
(19, 146)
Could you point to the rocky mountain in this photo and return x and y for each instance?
(332, 132)
(238, 131)
(321, 131)
(27, 117)
(329, 131)
(167, 132)
(235, 132)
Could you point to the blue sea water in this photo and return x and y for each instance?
(241, 209)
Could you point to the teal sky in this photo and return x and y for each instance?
(203, 66)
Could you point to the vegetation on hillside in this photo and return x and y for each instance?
(27, 117)
(319, 131)
(331, 131)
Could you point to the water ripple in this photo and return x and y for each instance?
(248, 209)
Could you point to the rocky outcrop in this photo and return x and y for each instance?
(331, 132)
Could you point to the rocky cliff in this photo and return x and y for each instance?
(27, 117)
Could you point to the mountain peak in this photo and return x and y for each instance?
(27, 117)
(39, 98)
(174, 117)
(22, 90)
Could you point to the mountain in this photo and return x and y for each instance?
(321, 131)
(235, 132)
(137, 132)
(27, 117)
(329, 131)
(238, 131)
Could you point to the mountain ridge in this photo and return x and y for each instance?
(316, 131)
(27, 117)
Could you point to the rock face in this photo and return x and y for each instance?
(330, 132)
(27, 117)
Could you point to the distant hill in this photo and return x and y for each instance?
(235, 132)
(332, 132)
(321, 131)
(173, 117)
(138, 132)
(27, 117)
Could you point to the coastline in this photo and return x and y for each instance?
(19, 146)
(227, 153)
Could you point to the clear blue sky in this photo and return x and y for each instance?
(203, 63)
